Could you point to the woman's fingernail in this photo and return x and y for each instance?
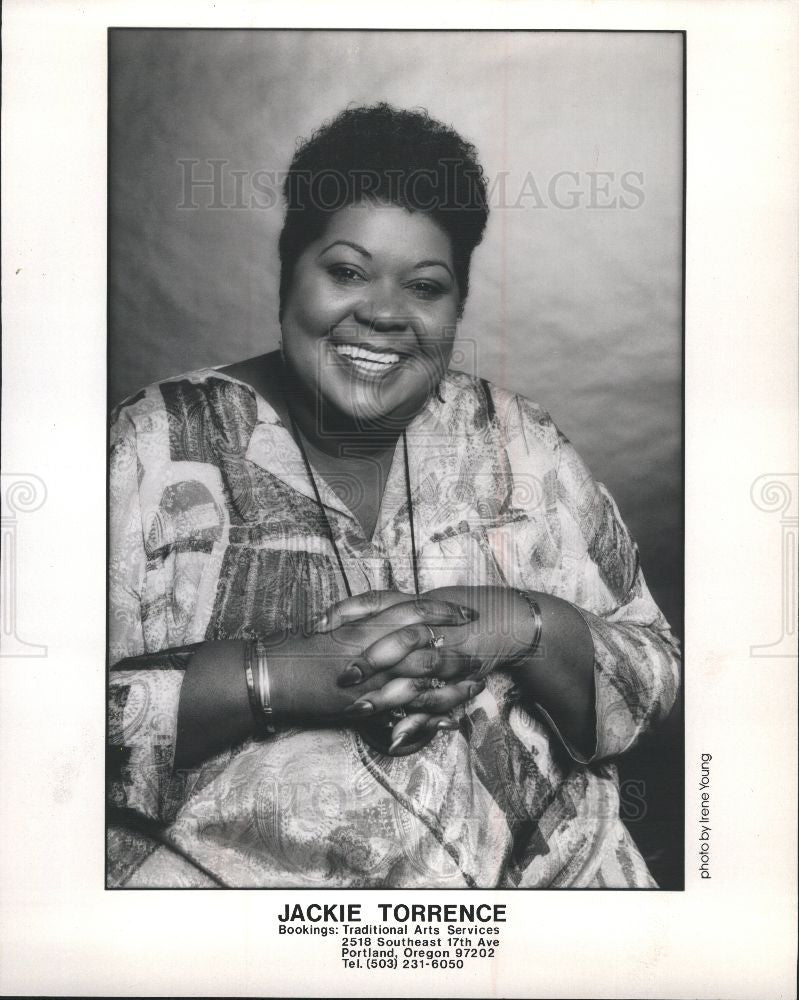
(468, 614)
(476, 688)
(351, 675)
(359, 708)
(398, 742)
(444, 724)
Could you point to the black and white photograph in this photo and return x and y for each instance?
(395, 502)
(399, 496)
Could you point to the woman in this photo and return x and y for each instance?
(372, 621)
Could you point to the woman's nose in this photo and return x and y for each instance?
(383, 308)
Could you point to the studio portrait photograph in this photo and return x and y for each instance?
(395, 459)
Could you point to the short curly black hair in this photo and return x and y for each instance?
(392, 155)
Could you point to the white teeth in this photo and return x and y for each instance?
(369, 366)
(366, 360)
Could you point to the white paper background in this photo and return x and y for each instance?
(733, 936)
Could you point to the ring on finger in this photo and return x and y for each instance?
(435, 640)
(436, 682)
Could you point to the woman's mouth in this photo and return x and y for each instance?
(367, 361)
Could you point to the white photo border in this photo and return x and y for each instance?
(734, 935)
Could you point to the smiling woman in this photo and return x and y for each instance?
(371, 317)
(373, 622)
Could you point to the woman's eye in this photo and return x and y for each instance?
(344, 274)
(426, 289)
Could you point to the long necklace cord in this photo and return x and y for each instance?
(322, 510)
(410, 514)
(330, 535)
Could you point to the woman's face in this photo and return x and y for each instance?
(371, 315)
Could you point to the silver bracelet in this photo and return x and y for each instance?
(257, 671)
(538, 623)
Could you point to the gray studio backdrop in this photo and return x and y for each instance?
(576, 291)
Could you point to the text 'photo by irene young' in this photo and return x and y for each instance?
(395, 580)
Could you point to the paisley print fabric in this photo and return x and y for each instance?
(215, 533)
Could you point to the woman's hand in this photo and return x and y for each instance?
(417, 681)
(558, 676)
(500, 630)
(416, 684)
(354, 669)
(504, 628)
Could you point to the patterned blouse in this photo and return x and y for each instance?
(216, 534)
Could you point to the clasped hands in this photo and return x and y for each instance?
(380, 653)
